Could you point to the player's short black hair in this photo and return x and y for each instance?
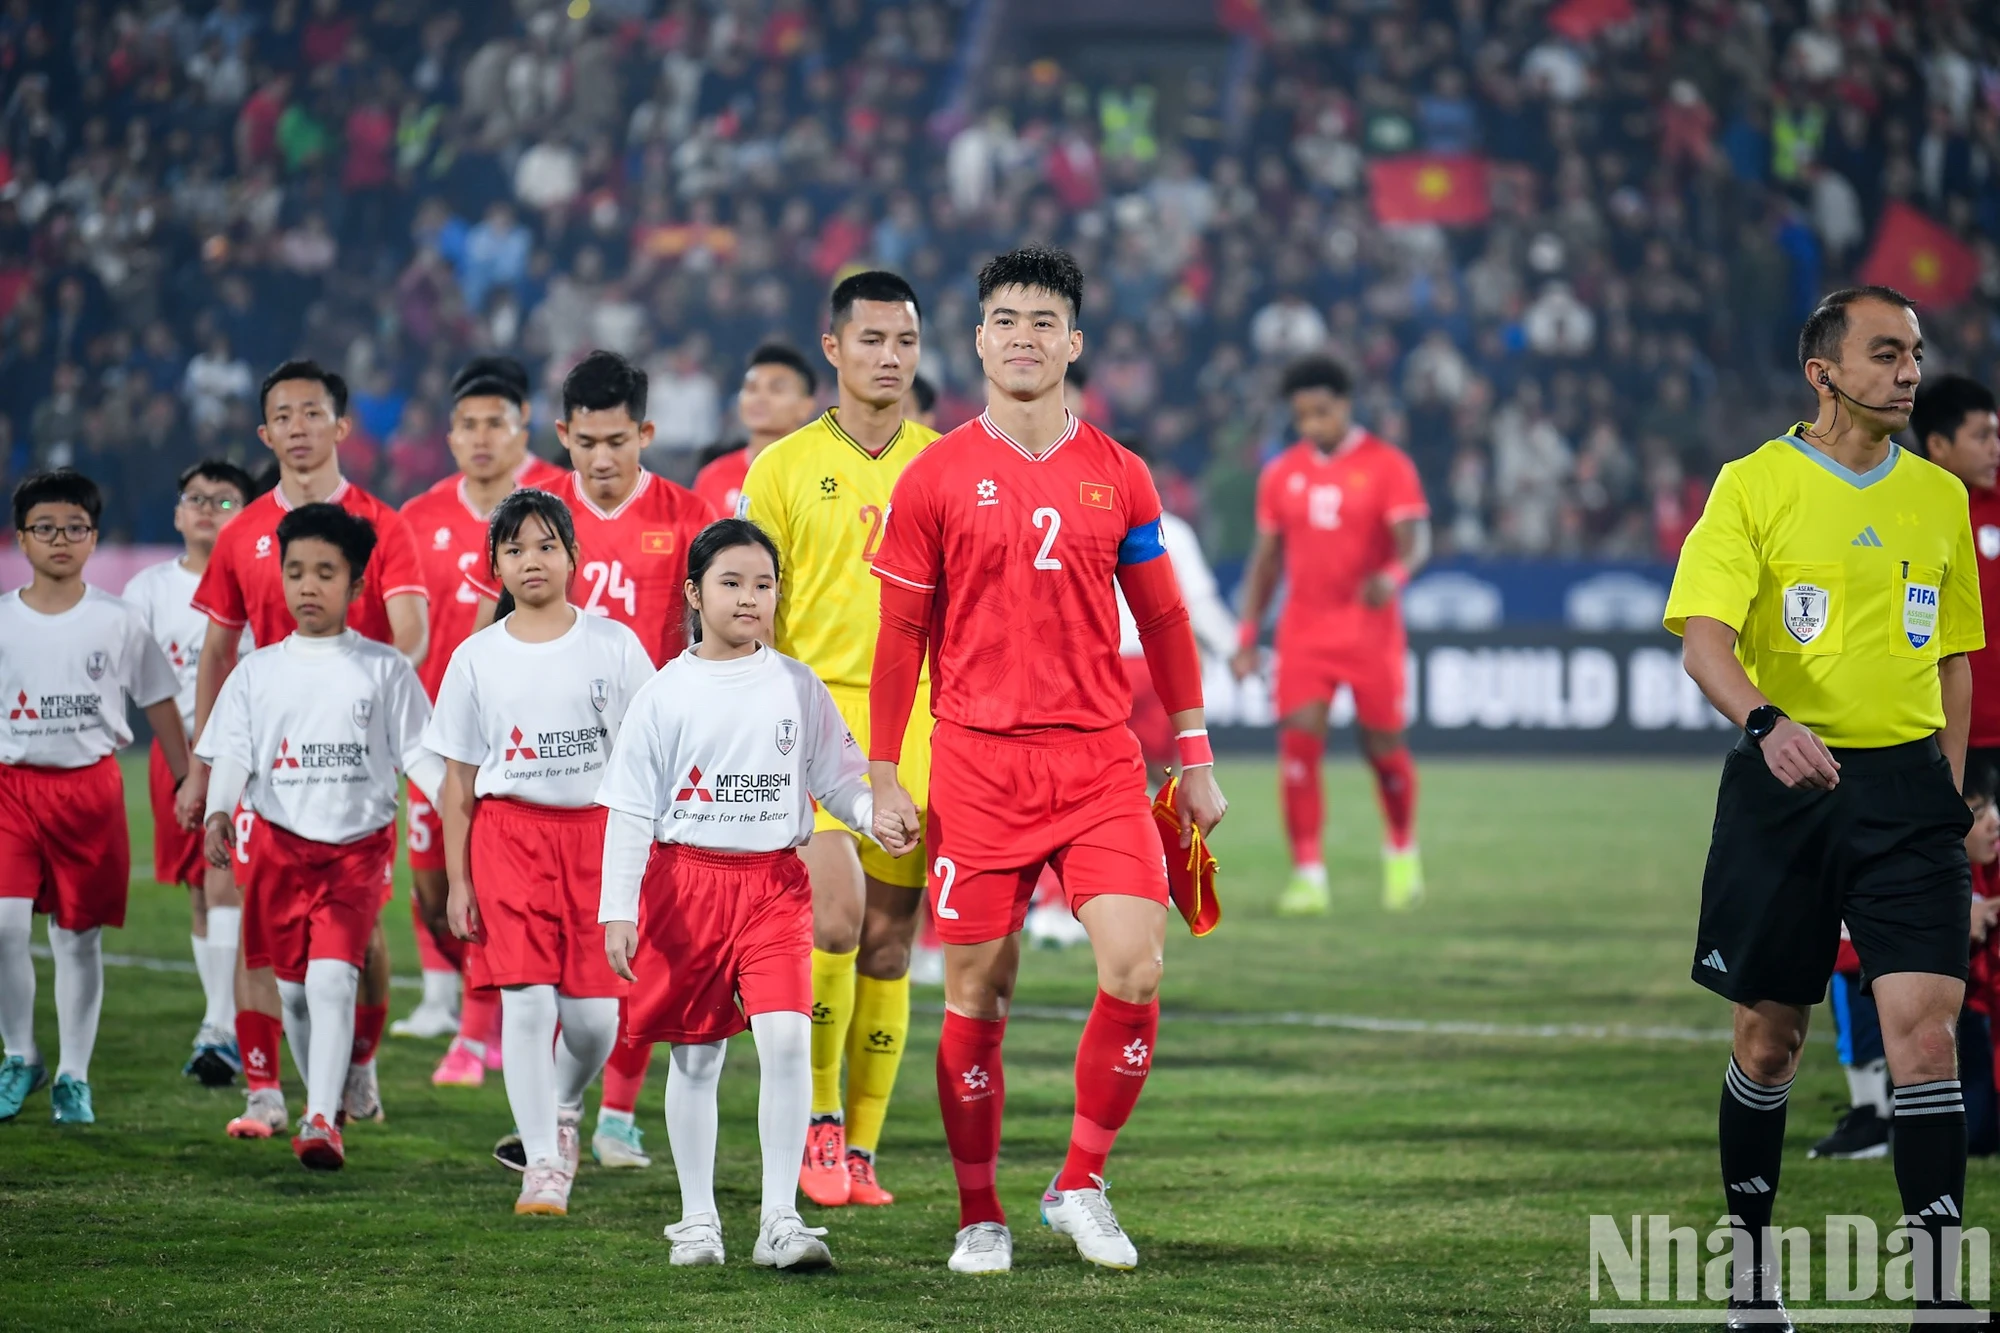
(1826, 327)
(723, 535)
(221, 471)
(300, 368)
(784, 354)
(1040, 267)
(601, 381)
(57, 486)
(925, 393)
(1944, 403)
(515, 510)
(874, 285)
(1982, 782)
(352, 535)
(1317, 372)
(491, 377)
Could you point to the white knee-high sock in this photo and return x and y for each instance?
(589, 1030)
(298, 1024)
(17, 979)
(216, 957)
(528, 1064)
(691, 1119)
(79, 996)
(330, 988)
(784, 1101)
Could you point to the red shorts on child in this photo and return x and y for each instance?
(307, 900)
(63, 842)
(177, 853)
(721, 935)
(1002, 807)
(535, 876)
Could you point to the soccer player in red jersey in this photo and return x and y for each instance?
(1003, 546)
(489, 442)
(1343, 512)
(777, 397)
(305, 418)
(1956, 422)
(633, 530)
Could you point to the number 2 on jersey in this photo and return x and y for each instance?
(1043, 560)
(872, 516)
(608, 584)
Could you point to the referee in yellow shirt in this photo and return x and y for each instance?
(822, 493)
(1826, 600)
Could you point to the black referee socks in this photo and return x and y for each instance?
(1752, 1132)
(1929, 1142)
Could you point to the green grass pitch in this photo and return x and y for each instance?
(1278, 1174)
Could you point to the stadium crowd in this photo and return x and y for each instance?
(194, 188)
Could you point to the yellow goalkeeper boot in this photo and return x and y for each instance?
(1402, 879)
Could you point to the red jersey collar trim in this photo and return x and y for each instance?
(278, 493)
(1069, 433)
(576, 487)
(465, 498)
(1349, 442)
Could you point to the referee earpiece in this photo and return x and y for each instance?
(1825, 383)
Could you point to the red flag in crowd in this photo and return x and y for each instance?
(1920, 259)
(1580, 20)
(1450, 190)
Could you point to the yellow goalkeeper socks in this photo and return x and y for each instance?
(832, 1015)
(874, 1052)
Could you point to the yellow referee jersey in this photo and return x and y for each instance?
(823, 498)
(1844, 588)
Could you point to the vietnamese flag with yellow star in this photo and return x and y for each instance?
(1449, 189)
(1921, 259)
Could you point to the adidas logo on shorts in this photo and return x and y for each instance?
(1713, 958)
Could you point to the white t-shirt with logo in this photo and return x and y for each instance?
(323, 726)
(730, 756)
(64, 679)
(163, 595)
(538, 719)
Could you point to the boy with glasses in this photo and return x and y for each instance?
(70, 656)
(212, 492)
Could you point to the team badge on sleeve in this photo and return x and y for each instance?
(364, 709)
(600, 694)
(1805, 611)
(1989, 541)
(788, 736)
(97, 664)
(1920, 613)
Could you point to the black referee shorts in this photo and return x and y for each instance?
(1883, 851)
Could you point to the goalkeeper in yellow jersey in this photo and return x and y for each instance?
(822, 494)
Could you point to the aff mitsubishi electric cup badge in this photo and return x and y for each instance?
(1805, 611)
(1989, 541)
(1920, 612)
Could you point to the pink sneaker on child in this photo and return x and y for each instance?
(460, 1068)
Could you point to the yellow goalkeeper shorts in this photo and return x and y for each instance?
(905, 871)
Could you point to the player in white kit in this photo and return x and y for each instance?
(527, 714)
(212, 492)
(706, 905)
(310, 734)
(70, 657)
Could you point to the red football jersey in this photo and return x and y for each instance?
(451, 543)
(1986, 662)
(1021, 553)
(721, 482)
(1334, 513)
(633, 560)
(245, 584)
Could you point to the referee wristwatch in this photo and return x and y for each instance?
(1762, 721)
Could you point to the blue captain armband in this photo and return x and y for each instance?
(1141, 544)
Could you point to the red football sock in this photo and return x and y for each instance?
(257, 1038)
(1396, 789)
(971, 1092)
(479, 1016)
(1299, 755)
(625, 1075)
(369, 1019)
(1112, 1062)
